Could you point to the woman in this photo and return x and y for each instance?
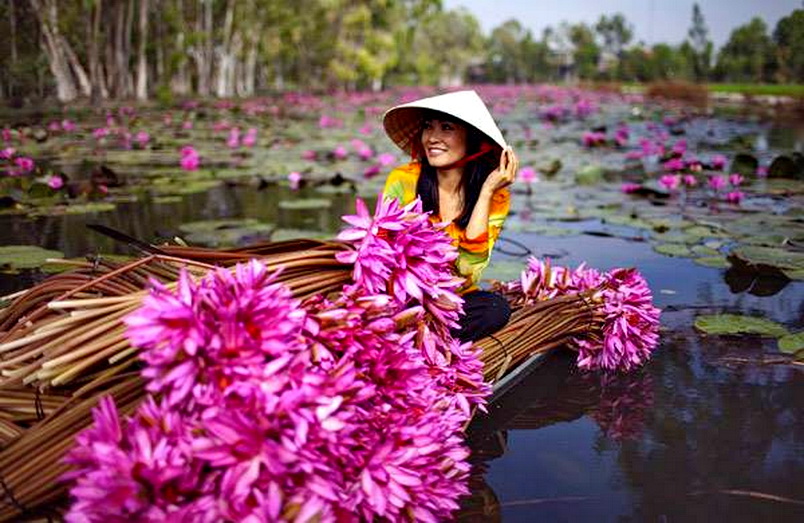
(461, 169)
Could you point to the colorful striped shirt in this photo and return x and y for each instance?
(473, 253)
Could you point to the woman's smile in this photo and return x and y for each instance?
(444, 142)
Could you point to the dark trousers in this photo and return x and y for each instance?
(484, 313)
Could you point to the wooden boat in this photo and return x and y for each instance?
(62, 347)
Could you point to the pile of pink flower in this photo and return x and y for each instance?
(264, 408)
(629, 322)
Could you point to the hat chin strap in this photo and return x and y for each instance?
(485, 148)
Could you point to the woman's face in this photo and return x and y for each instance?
(443, 141)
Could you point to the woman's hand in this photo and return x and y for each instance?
(504, 175)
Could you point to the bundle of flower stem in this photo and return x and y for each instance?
(63, 329)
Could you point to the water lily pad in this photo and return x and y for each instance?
(674, 249)
(703, 251)
(18, 257)
(589, 175)
(768, 257)
(307, 204)
(792, 343)
(717, 324)
(745, 164)
(504, 270)
(223, 233)
(794, 274)
(717, 262)
(86, 208)
(785, 167)
(292, 234)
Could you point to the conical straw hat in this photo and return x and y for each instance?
(404, 122)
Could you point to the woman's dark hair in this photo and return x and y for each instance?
(474, 173)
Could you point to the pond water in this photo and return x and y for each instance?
(711, 427)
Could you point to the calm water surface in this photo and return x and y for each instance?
(702, 433)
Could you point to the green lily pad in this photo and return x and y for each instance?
(763, 257)
(86, 208)
(18, 257)
(589, 175)
(674, 249)
(734, 324)
(745, 164)
(703, 251)
(306, 204)
(717, 262)
(224, 233)
(794, 274)
(504, 270)
(785, 167)
(292, 234)
(792, 343)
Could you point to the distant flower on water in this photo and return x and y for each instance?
(372, 171)
(7, 153)
(718, 162)
(689, 180)
(386, 159)
(670, 182)
(593, 139)
(233, 141)
(142, 138)
(717, 182)
(24, 164)
(674, 165)
(528, 175)
(762, 171)
(735, 179)
(735, 196)
(250, 138)
(294, 179)
(340, 152)
(309, 154)
(629, 187)
(55, 182)
(190, 160)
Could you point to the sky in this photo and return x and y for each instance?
(654, 21)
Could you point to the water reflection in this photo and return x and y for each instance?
(686, 439)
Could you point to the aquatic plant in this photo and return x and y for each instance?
(629, 322)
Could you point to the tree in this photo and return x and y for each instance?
(616, 33)
(789, 39)
(587, 52)
(699, 44)
(747, 54)
(447, 43)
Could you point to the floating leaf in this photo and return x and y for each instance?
(785, 167)
(674, 249)
(589, 175)
(792, 343)
(764, 257)
(217, 233)
(717, 262)
(17, 257)
(745, 164)
(305, 204)
(717, 324)
(794, 274)
(504, 270)
(292, 234)
(700, 250)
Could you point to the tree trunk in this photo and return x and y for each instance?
(142, 59)
(47, 15)
(95, 78)
(12, 29)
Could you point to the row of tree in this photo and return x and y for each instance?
(119, 49)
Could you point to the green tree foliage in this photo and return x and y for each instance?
(748, 54)
(789, 39)
(446, 44)
(699, 47)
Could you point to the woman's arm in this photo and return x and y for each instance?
(500, 177)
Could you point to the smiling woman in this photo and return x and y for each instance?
(461, 168)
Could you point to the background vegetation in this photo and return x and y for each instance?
(122, 49)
